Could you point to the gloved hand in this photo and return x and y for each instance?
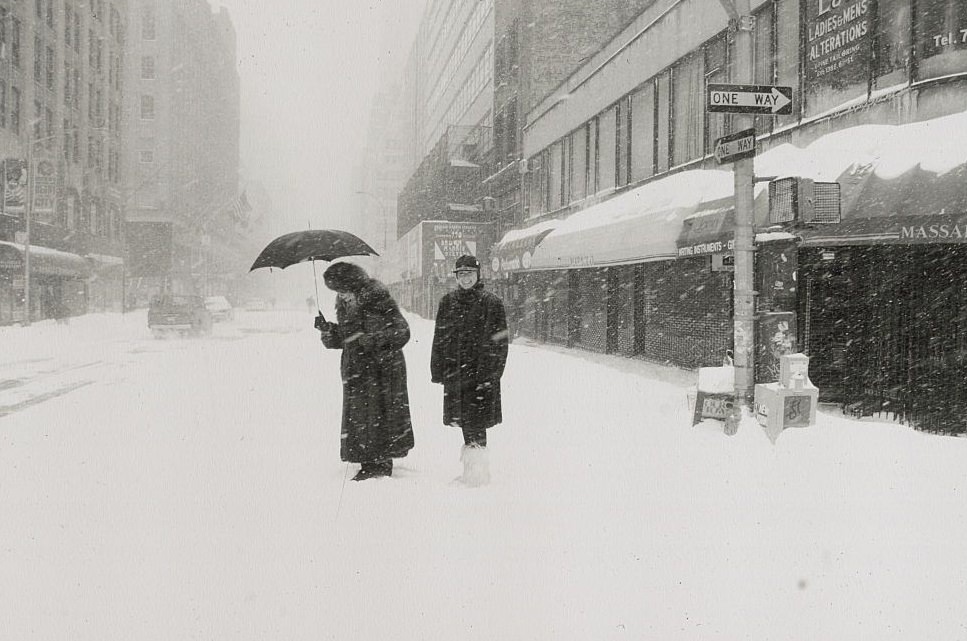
(320, 323)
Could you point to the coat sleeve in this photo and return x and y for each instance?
(441, 331)
(498, 336)
(386, 329)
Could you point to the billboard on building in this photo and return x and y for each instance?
(838, 41)
(432, 247)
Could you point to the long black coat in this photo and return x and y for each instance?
(468, 357)
(376, 408)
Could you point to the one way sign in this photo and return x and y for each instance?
(749, 99)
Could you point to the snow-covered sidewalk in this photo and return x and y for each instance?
(192, 490)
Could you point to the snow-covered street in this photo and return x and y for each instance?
(192, 489)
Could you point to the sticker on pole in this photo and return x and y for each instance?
(749, 99)
(735, 146)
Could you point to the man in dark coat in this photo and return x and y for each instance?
(371, 333)
(468, 358)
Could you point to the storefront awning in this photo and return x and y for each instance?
(639, 225)
(43, 260)
(516, 248)
(709, 231)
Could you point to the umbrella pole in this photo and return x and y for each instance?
(315, 281)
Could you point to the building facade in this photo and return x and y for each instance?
(61, 113)
(626, 216)
(186, 213)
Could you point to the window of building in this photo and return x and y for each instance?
(716, 70)
(38, 60)
(764, 60)
(49, 13)
(38, 123)
(15, 109)
(688, 109)
(643, 132)
(593, 157)
(51, 76)
(554, 176)
(579, 163)
(941, 37)
(146, 156)
(15, 57)
(147, 107)
(147, 67)
(39, 5)
(3, 103)
(77, 32)
(622, 157)
(67, 140)
(607, 121)
(148, 26)
(663, 129)
(68, 25)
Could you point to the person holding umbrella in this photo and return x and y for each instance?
(371, 332)
(468, 357)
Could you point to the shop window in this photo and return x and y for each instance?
(941, 37)
(643, 132)
(147, 107)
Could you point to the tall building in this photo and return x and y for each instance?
(61, 103)
(182, 148)
(629, 220)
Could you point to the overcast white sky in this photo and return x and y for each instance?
(308, 71)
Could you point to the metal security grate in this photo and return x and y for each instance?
(782, 200)
(826, 208)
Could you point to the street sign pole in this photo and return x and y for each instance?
(744, 295)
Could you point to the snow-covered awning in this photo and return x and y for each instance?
(638, 225)
(514, 251)
(43, 260)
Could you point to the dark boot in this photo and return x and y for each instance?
(374, 469)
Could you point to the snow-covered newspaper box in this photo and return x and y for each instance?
(789, 402)
(715, 394)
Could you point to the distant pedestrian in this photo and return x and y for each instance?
(371, 333)
(468, 357)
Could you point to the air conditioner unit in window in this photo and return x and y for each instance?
(801, 200)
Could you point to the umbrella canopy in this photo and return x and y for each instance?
(312, 244)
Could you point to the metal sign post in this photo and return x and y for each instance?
(743, 100)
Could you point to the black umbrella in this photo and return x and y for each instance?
(311, 245)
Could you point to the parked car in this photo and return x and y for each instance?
(181, 315)
(220, 308)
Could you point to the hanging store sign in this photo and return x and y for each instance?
(838, 41)
(44, 189)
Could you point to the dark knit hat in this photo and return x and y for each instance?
(345, 277)
(467, 262)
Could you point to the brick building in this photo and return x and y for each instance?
(61, 97)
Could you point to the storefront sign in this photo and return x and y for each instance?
(838, 34)
(703, 249)
(44, 189)
(943, 27)
(444, 242)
